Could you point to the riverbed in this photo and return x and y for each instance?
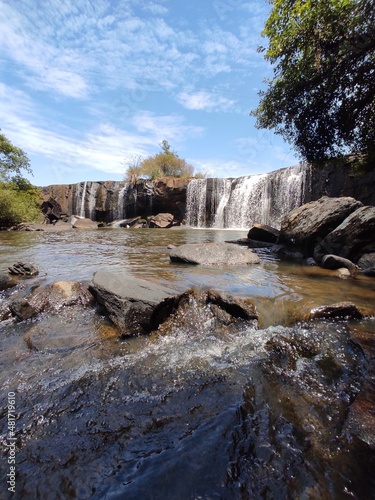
(195, 411)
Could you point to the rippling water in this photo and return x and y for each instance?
(193, 411)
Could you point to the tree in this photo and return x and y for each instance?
(19, 199)
(167, 163)
(322, 96)
(12, 159)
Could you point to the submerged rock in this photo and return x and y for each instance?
(213, 254)
(341, 310)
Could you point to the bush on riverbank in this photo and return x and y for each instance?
(19, 202)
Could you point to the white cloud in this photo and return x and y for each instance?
(170, 127)
(204, 100)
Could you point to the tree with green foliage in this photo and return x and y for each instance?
(322, 95)
(19, 199)
(12, 159)
(167, 163)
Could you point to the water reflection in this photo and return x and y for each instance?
(191, 411)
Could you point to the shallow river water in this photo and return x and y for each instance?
(194, 411)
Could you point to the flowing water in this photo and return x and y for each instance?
(192, 411)
(241, 202)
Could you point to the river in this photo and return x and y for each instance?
(193, 412)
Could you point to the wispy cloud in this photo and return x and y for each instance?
(204, 100)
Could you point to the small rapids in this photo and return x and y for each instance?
(196, 410)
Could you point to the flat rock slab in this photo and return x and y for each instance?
(133, 305)
(213, 253)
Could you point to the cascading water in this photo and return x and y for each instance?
(196, 203)
(80, 201)
(241, 202)
(121, 214)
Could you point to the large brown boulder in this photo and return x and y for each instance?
(304, 226)
(354, 237)
(163, 220)
(213, 253)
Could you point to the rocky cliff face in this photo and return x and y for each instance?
(341, 178)
(110, 200)
(219, 203)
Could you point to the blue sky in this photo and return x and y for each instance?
(86, 86)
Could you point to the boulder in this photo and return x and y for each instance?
(263, 232)
(354, 237)
(133, 305)
(208, 311)
(336, 262)
(83, 223)
(367, 264)
(49, 298)
(304, 226)
(163, 220)
(341, 310)
(361, 416)
(23, 269)
(6, 282)
(51, 210)
(213, 253)
(23, 310)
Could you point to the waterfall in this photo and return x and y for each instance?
(242, 202)
(121, 214)
(80, 199)
(196, 203)
(85, 205)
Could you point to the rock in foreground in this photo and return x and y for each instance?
(213, 254)
(133, 305)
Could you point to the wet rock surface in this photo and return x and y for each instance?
(354, 237)
(303, 226)
(343, 310)
(263, 232)
(133, 305)
(23, 269)
(336, 262)
(161, 220)
(52, 298)
(83, 223)
(6, 281)
(361, 417)
(213, 254)
(367, 264)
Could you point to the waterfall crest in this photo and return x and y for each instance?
(241, 202)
